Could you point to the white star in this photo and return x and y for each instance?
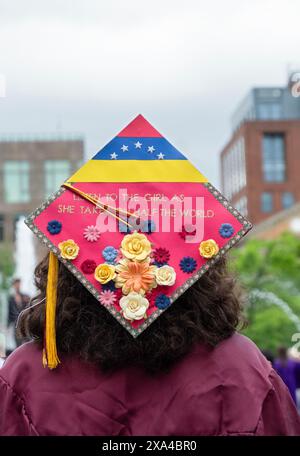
(151, 149)
(124, 148)
(138, 145)
(160, 156)
(113, 156)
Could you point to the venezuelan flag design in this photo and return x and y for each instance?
(139, 153)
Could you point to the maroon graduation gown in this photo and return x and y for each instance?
(229, 390)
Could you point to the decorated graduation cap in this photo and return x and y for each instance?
(137, 225)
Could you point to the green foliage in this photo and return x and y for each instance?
(6, 264)
(270, 328)
(270, 266)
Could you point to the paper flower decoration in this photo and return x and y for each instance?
(162, 301)
(110, 254)
(188, 264)
(54, 227)
(134, 306)
(107, 297)
(165, 275)
(68, 249)
(91, 233)
(161, 256)
(88, 266)
(104, 273)
(138, 276)
(109, 286)
(226, 230)
(208, 248)
(135, 246)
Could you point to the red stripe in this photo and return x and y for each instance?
(139, 128)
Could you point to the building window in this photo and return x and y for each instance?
(269, 111)
(16, 181)
(273, 157)
(56, 172)
(266, 202)
(234, 169)
(287, 200)
(1, 228)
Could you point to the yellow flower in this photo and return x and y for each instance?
(68, 249)
(135, 246)
(104, 273)
(134, 306)
(208, 248)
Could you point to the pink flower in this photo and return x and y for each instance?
(161, 255)
(91, 233)
(107, 297)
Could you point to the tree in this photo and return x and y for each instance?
(6, 265)
(269, 272)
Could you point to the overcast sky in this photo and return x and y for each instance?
(90, 66)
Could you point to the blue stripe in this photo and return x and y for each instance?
(139, 149)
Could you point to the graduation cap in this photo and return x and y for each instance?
(137, 225)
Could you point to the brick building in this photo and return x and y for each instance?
(31, 171)
(260, 164)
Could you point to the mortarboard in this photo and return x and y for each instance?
(137, 225)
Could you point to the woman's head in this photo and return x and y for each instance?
(208, 312)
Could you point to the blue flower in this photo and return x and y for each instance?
(110, 254)
(188, 264)
(159, 264)
(54, 227)
(226, 230)
(123, 228)
(162, 301)
(109, 286)
(148, 226)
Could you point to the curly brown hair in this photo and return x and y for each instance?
(208, 312)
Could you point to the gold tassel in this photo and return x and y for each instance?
(50, 357)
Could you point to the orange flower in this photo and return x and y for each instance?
(138, 276)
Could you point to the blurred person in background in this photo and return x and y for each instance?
(268, 354)
(289, 370)
(17, 302)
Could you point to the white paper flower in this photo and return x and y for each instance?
(165, 275)
(134, 306)
(91, 233)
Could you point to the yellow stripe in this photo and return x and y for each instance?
(138, 171)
